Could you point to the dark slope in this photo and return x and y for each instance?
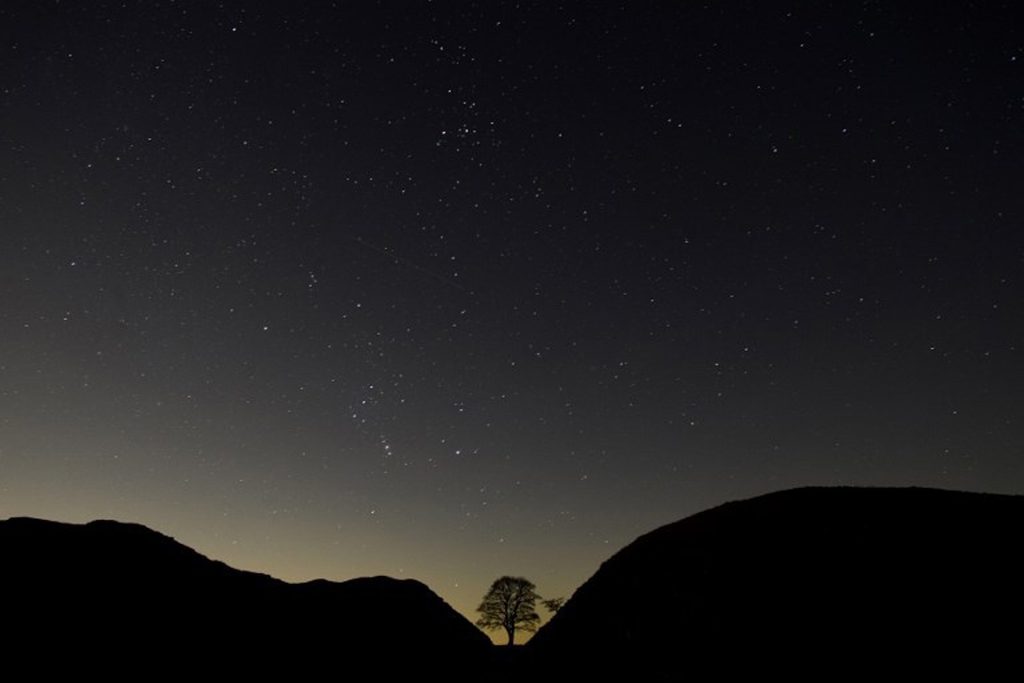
(124, 599)
(804, 579)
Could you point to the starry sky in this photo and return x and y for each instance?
(452, 290)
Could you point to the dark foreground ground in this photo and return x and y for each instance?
(808, 583)
(807, 580)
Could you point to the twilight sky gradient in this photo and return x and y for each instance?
(452, 290)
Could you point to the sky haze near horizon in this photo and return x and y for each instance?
(451, 291)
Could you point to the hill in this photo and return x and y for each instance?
(125, 600)
(804, 580)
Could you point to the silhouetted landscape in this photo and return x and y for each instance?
(484, 296)
(793, 580)
(836, 578)
(114, 597)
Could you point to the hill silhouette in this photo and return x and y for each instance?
(126, 600)
(819, 581)
(804, 580)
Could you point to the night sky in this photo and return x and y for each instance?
(455, 290)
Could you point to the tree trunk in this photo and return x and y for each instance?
(511, 636)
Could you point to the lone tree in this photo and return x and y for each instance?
(510, 603)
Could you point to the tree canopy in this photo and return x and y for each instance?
(510, 603)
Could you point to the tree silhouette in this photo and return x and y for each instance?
(553, 604)
(510, 603)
